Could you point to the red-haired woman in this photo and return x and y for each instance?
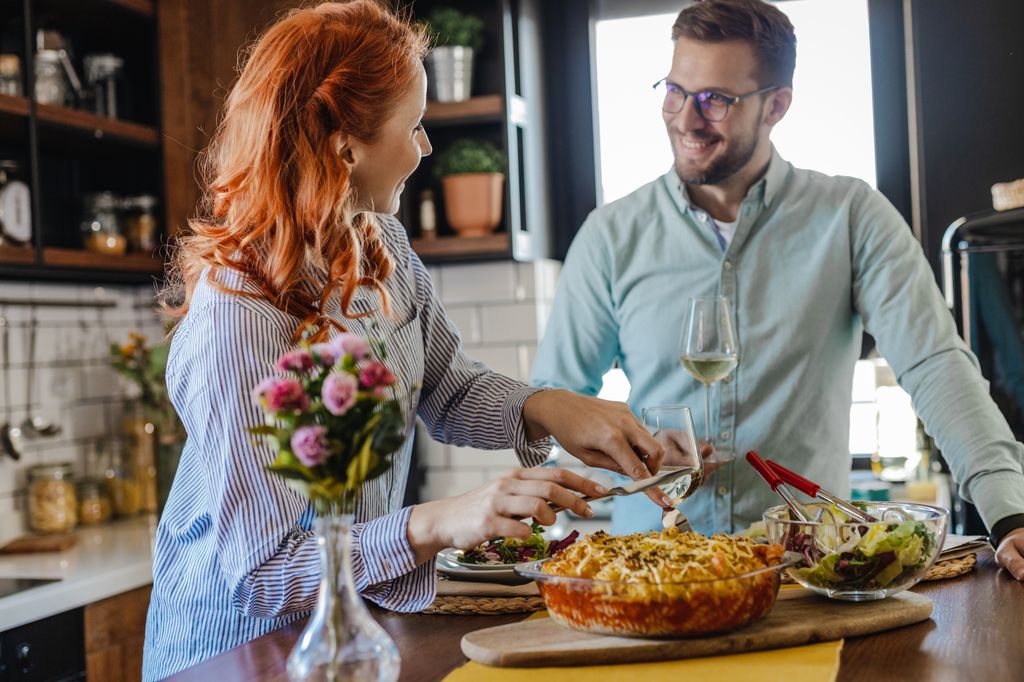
(318, 137)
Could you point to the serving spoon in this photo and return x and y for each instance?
(7, 430)
(35, 426)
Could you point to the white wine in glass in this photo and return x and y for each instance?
(709, 349)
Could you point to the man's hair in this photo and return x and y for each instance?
(756, 22)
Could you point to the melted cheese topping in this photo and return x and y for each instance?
(663, 557)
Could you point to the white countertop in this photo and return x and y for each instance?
(107, 560)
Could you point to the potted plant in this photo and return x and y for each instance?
(472, 173)
(450, 64)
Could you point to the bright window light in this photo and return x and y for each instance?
(829, 127)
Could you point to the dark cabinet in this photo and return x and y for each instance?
(50, 650)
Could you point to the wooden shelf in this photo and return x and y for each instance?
(485, 108)
(144, 7)
(17, 255)
(98, 127)
(10, 104)
(496, 245)
(87, 260)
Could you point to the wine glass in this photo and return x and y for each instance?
(710, 351)
(672, 426)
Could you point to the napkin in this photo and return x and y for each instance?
(810, 663)
(958, 546)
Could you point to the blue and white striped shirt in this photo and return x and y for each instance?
(234, 556)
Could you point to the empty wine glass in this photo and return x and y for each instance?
(672, 426)
(709, 348)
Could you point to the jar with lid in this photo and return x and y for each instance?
(428, 215)
(50, 87)
(52, 503)
(15, 206)
(94, 504)
(10, 74)
(103, 73)
(101, 226)
(141, 227)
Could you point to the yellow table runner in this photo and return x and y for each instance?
(810, 663)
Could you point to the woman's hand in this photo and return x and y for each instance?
(495, 509)
(600, 433)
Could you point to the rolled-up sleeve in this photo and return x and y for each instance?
(463, 402)
(266, 556)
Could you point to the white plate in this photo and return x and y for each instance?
(504, 575)
(450, 556)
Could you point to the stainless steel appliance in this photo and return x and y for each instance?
(983, 281)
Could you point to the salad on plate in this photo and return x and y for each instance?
(503, 551)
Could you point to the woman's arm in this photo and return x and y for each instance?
(266, 556)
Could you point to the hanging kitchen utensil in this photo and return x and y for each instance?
(34, 425)
(7, 429)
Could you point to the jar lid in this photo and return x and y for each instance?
(55, 471)
(102, 201)
(10, 64)
(90, 487)
(9, 165)
(146, 202)
(48, 56)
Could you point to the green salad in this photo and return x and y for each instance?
(864, 557)
(515, 551)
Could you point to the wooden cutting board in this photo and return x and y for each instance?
(543, 642)
(27, 544)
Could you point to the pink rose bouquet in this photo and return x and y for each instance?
(330, 419)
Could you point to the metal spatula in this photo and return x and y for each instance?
(633, 487)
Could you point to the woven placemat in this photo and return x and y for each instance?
(951, 568)
(484, 606)
(940, 570)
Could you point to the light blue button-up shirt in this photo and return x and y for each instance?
(815, 260)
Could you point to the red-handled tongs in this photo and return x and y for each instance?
(812, 489)
(778, 485)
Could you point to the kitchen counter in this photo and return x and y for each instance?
(106, 560)
(974, 633)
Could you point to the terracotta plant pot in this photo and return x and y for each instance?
(472, 202)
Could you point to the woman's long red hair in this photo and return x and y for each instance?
(278, 199)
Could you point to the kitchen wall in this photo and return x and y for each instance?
(500, 308)
(74, 385)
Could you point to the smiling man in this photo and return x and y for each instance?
(807, 261)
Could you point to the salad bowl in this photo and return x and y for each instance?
(859, 561)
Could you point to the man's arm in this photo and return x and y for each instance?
(582, 337)
(895, 292)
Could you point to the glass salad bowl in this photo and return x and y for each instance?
(855, 561)
(642, 609)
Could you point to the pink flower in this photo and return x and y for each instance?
(350, 344)
(309, 443)
(282, 395)
(339, 392)
(376, 376)
(327, 354)
(298, 360)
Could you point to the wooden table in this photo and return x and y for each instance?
(976, 633)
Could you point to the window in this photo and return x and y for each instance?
(829, 127)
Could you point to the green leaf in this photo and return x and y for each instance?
(469, 156)
(264, 430)
(291, 471)
(361, 465)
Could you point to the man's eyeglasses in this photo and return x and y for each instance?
(712, 106)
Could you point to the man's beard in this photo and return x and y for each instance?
(723, 167)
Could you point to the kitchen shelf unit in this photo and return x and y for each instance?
(67, 153)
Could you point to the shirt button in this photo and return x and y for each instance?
(724, 435)
(722, 491)
(727, 265)
(703, 217)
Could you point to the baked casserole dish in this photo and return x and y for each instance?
(660, 584)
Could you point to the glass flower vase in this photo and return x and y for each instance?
(341, 641)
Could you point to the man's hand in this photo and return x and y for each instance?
(1010, 553)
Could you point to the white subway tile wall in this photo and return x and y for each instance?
(499, 309)
(74, 385)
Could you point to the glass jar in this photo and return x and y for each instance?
(101, 226)
(51, 87)
(103, 73)
(141, 227)
(15, 206)
(52, 504)
(124, 491)
(94, 504)
(10, 75)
